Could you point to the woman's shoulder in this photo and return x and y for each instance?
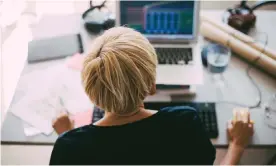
(75, 135)
(179, 111)
(179, 115)
(183, 113)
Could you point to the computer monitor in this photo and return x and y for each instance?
(160, 20)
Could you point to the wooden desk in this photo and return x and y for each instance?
(239, 87)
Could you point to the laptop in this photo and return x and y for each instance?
(172, 28)
(56, 47)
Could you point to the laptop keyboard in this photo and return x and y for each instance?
(174, 56)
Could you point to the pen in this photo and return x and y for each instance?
(62, 104)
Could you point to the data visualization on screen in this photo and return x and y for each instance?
(158, 17)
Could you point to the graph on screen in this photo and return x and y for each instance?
(159, 17)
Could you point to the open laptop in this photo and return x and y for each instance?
(172, 28)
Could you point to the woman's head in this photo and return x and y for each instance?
(120, 70)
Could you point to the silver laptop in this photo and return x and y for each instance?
(172, 28)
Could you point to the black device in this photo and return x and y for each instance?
(242, 17)
(95, 23)
(178, 56)
(54, 47)
(206, 112)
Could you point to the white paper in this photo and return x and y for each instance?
(39, 80)
(30, 130)
(44, 89)
(38, 106)
(37, 111)
(73, 94)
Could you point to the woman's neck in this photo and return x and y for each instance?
(112, 119)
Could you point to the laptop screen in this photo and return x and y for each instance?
(160, 19)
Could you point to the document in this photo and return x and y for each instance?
(80, 119)
(75, 62)
(36, 113)
(72, 92)
(83, 118)
(30, 130)
(43, 90)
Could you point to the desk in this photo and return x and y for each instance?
(239, 87)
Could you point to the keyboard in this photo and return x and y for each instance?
(174, 56)
(97, 114)
(206, 113)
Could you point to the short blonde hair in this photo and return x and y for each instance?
(120, 70)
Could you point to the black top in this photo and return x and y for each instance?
(174, 135)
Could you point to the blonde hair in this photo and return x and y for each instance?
(120, 70)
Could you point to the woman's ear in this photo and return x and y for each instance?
(153, 89)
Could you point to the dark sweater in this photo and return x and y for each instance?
(173, 135)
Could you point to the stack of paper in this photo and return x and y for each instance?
(43, 90)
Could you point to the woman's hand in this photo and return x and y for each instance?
(240, 129)
(63, 123)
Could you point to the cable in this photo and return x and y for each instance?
(250, 66)
(258, 104)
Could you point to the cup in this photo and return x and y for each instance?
(218, 57)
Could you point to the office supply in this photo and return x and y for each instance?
(75, 62)
(171, 87)
(72, 92)
(30, 130)
(174, 56)
(206, 112)
(38, 106)
(50, 91)
(240, 36)
(83, 118)
(176, 90)
(36, 111)
(80, 119)
(243, 49)
(172, 28)
(54, 47)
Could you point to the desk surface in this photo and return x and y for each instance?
(239, 88)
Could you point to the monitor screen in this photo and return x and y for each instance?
(174, 19)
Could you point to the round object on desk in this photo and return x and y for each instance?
(212, 47)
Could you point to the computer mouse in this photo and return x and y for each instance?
(204, 55)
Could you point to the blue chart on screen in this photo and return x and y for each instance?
(154, 17)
